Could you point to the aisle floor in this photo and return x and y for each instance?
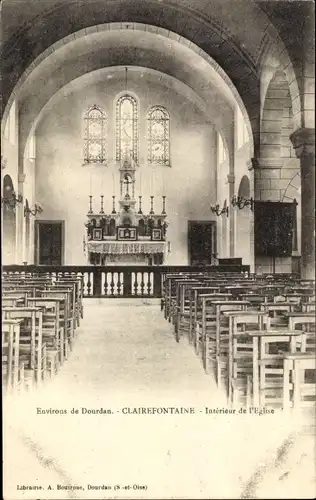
(125, 357)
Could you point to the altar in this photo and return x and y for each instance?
(127, 236)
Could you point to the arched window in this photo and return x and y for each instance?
(126, 127)
(95, 131)
(158, 135)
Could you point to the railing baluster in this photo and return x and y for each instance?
(105, 284)
(149, 283)
(89, 284)
(135, 285)
(142, 284)
(119, 283)
(127, 285)
(96, 282)
(112, 283)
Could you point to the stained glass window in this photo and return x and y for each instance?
(95, 130)
(158, 134)
(126, 127)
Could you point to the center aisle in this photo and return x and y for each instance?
(125, 357)
(126, 350)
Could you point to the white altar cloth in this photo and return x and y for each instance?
(127, 247)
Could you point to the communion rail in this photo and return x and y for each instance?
(118, 281)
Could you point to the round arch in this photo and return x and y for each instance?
(277, 119)
(170, 37)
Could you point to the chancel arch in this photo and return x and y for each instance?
(142, 37)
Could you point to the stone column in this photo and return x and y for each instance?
(231, 215)
(252, 165)
(20, 222)
(303, 141)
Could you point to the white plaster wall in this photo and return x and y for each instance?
(63, 184)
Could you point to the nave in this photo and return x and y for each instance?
(125, 355)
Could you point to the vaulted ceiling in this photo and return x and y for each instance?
(187, 40)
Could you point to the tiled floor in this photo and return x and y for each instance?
(125, 356)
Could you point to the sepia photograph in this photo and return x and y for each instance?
(158, 249)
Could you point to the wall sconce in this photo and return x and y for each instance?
(241, 202)
(219, 211)
(37, 209)
(12, 201)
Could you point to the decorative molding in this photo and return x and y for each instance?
(303, 140)
(265, 163)
(270, 163)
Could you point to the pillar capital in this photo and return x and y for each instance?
(252, 164)
(303, 140)
(264, 163)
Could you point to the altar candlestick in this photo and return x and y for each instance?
(90, 204)
(163, 205)
(140, 205)
(101, 210)
(113, 210)
(151, 205)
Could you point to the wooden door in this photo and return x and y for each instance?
(202, 242)
(50, 243)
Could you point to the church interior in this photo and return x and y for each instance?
(158, 247)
